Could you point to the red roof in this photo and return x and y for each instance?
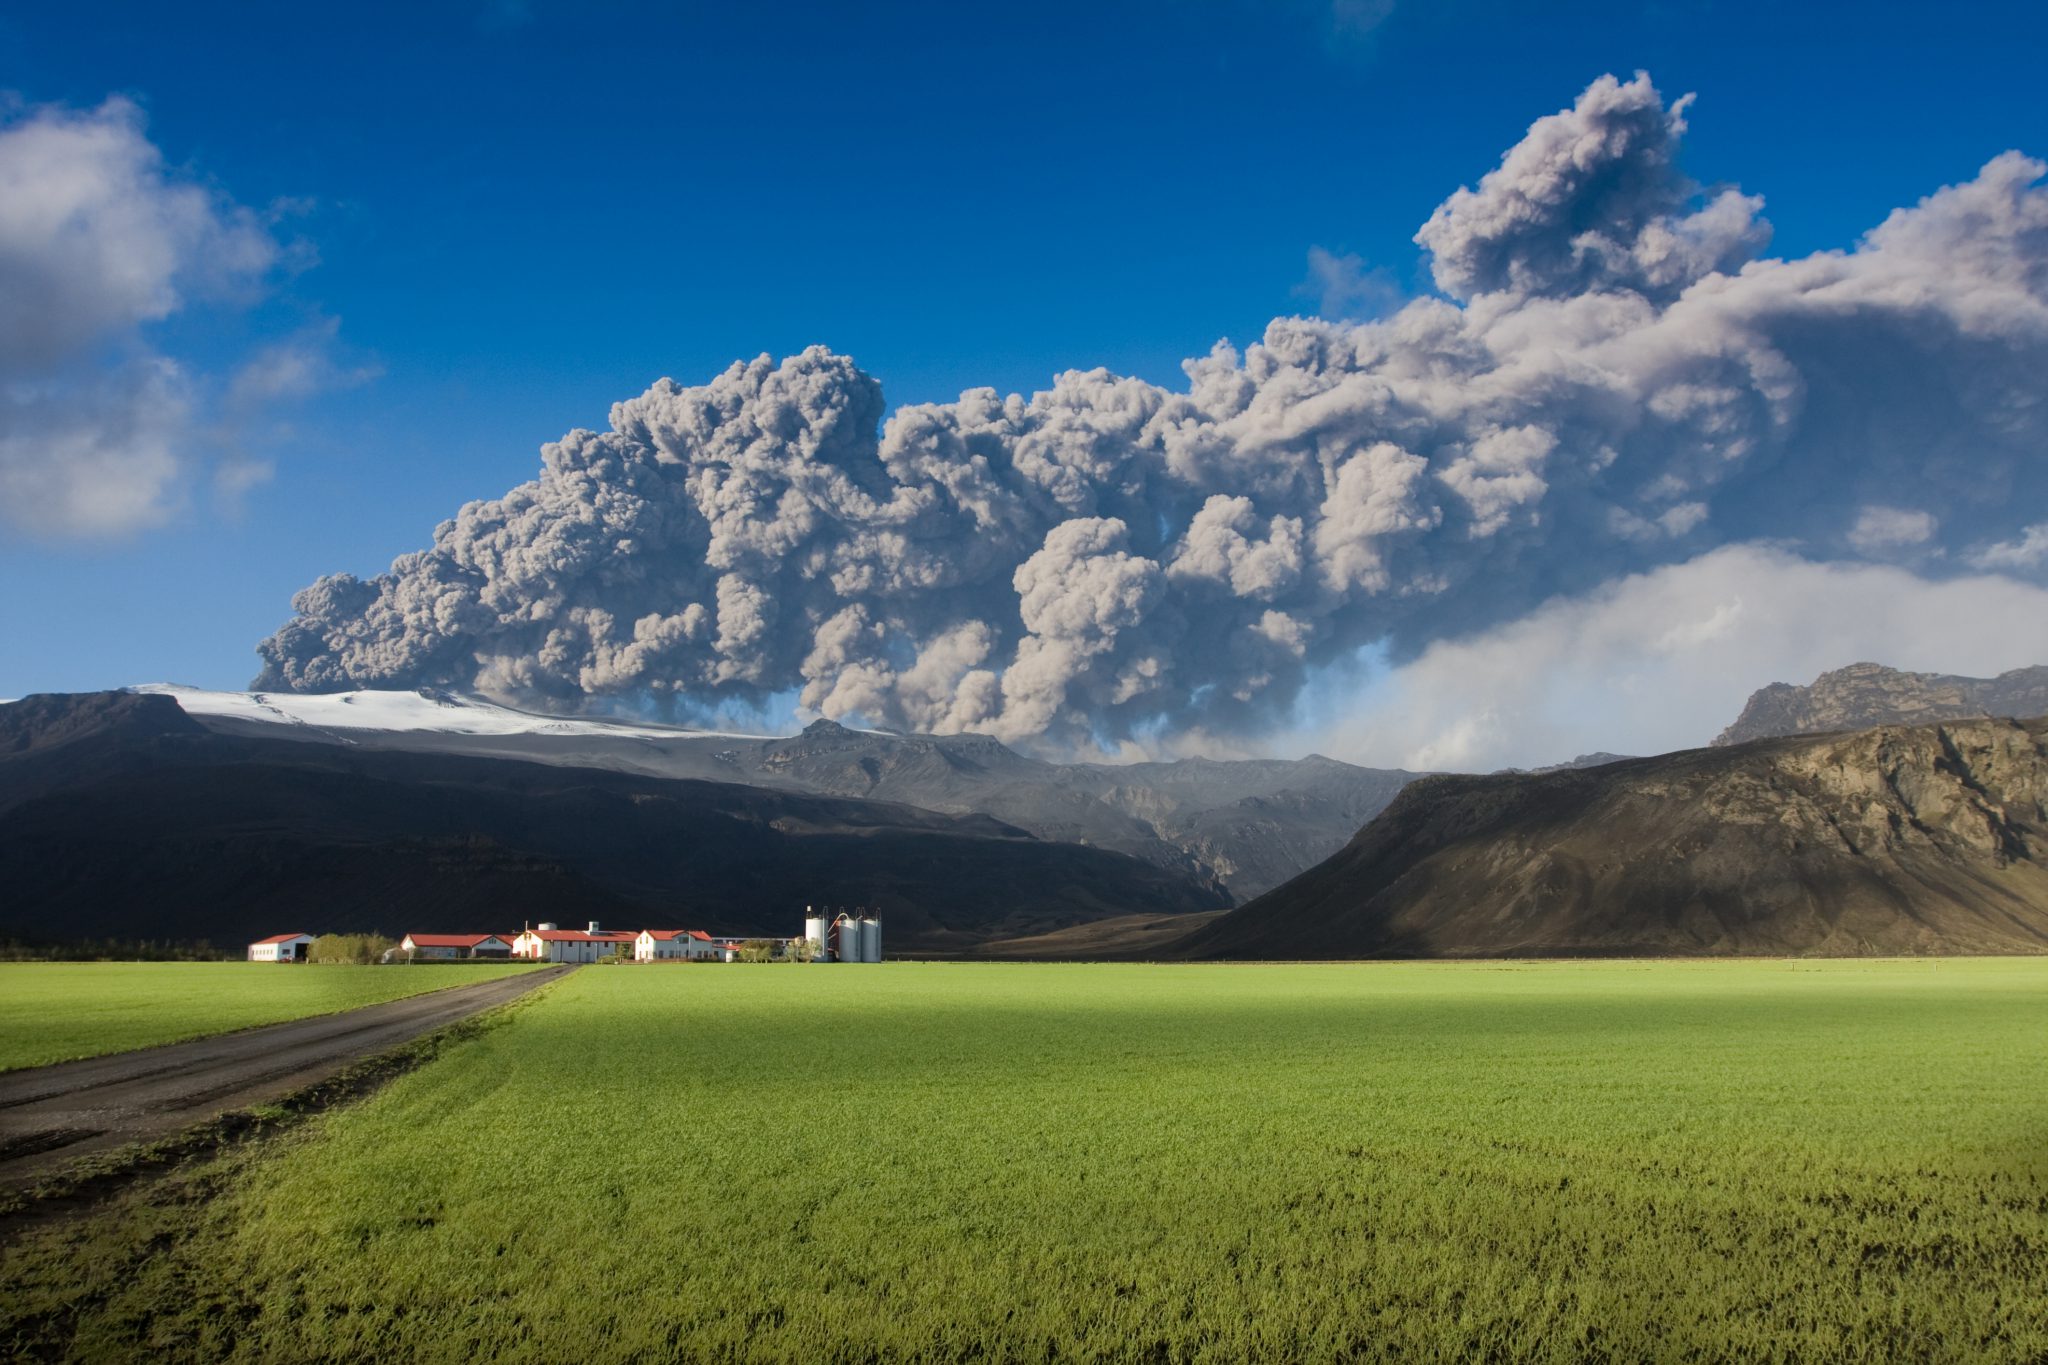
(700, 935)
(664, 935)
(279, 938)
(451, 940)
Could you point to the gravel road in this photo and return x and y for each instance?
(52, 1114)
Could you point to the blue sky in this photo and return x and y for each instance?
(513, 215)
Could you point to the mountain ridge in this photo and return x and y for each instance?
(1247, 824)
(1920, 839)
(123, 816)
(1861, 695)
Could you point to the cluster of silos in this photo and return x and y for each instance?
(844, 937)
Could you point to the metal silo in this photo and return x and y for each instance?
(814, 930)
(871, 940)
(845, 940)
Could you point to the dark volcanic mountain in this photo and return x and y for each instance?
(1929, 839)
(121, 816)
(1248, 824)
(1863, 695)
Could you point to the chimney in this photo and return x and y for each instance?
(593, 928)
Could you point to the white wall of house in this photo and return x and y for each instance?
(580, 949)
(648, 948)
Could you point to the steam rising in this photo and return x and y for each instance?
(1615, 381)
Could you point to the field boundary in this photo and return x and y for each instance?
(91, 1181)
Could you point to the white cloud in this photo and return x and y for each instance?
(1664, 660)
(1879, 529)
(94, 456)
(299, 366)
(2026, 551)
(98, 241)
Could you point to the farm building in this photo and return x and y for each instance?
(281, 948)
(855, 937)
(659, 945)
(455, 945)
(550, 944)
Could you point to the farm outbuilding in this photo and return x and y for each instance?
(550, 944)
(855, 937)
(281, 948)
(455, 945)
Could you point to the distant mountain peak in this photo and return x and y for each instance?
(1860, 695)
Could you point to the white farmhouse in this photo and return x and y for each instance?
(281, 948)
(549, 944)
(693, 945)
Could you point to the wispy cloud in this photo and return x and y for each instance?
(1344, 288)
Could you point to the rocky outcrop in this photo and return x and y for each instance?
(1863, 695)
(1921, 839)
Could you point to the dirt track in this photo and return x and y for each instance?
(52, 1114)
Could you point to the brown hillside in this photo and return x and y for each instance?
(1928, 839)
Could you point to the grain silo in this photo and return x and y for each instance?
(854, 937)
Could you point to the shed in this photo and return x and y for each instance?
(281, 948)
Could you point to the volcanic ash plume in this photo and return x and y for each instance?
(1615, 380)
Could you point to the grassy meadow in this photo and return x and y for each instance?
(1623, 1161)
(57, 1011)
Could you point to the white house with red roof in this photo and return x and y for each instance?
(455, 945)
(281, 948)
(550, 944)
(660, 945)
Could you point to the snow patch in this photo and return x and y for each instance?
(400, 711)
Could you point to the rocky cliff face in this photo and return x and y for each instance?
(1923, 839)
(1863, 695)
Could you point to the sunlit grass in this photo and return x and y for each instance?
(55, 1011)
(1549, 1161)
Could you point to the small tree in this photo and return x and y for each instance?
(355, 948)
(802, 950)
(758, 950)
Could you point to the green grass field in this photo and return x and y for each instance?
(1622, 1161)
(55, 1011)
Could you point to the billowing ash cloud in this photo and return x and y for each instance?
(1614, 381)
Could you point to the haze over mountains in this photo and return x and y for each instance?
(166, 811)
(122, 816)
(1247, 825)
